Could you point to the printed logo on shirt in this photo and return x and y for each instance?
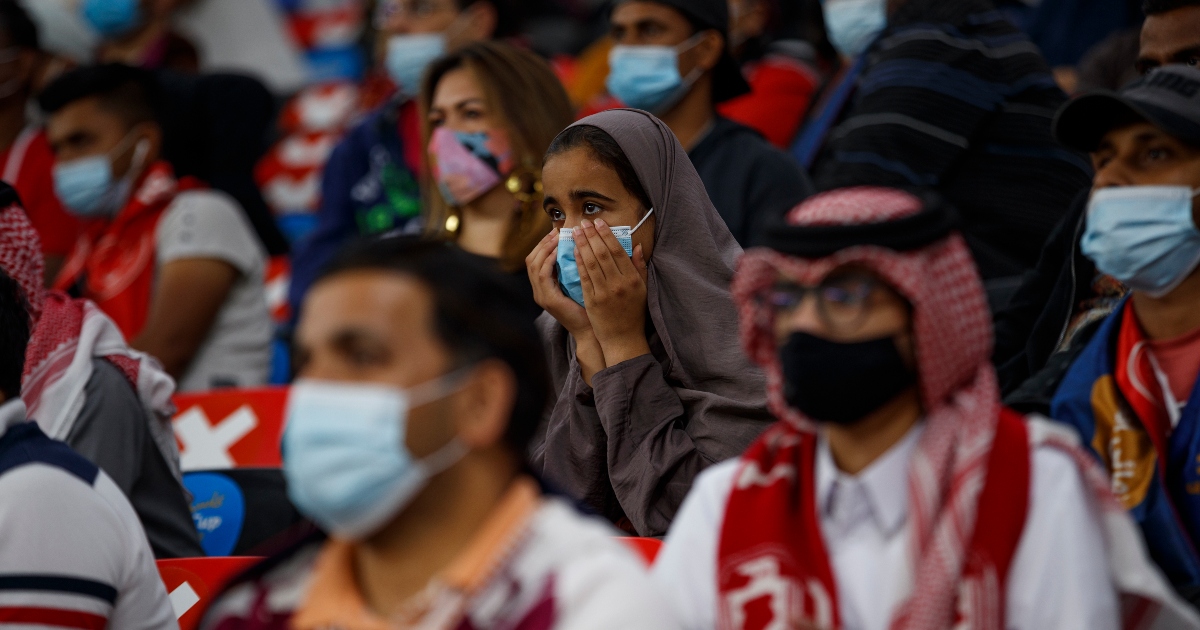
(770, 600)
(1120, 439)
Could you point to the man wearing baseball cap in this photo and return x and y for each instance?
(672, 59)
(1132, 391)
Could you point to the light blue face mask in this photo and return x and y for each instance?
(344, 453)
(1144, 236)
(853, 24)
(408, 56)
(647, 77)
(568, 269)
(86, 188)
(112, 18)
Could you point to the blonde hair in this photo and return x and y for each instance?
(526, 98)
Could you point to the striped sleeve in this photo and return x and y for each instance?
(922, 102)
(73, 555)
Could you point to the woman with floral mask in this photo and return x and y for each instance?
(640, 327)
(490, 110)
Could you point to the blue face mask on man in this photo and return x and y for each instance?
(112, 18)
(647, 77)
(408, 56)
(86, 188)
(568, 268)
(347, 465)
(1144, 236)
(854, 24)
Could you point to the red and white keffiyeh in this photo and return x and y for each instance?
(68, 334)
(21, 256)
(953, 338)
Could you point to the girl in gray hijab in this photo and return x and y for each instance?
(640, 328)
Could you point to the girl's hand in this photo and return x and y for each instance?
(614, 291)
(540, 264)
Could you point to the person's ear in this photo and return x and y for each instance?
(479, 22)
(27, 66)
(483, 409)
(152, 134)
(755, 21)
(709, 49)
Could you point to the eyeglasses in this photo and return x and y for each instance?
(394, 9)
(842, 301)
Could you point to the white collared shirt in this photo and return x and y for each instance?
(1059, 577)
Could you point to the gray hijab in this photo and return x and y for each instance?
(689, 272)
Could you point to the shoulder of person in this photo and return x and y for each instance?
(598, 581)
(58, 494)
(280, 583)
(209, 222)
(205, 203)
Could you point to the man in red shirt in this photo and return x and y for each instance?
(25, 157)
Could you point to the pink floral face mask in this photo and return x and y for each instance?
(468, 165)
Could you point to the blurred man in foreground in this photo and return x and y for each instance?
(421, 384)
(896, 491)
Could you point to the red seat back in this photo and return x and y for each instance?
(192, 582)
(236, 428)
(646, 548)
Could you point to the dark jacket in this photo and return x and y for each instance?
(1033, 325)
(749, 181)
(954, 98)
(369, 187)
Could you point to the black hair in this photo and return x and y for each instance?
(478, 314)
(128, 92)
(605, 149)
(1155, 7)
(509, 18)
(14, 335)
(21, 30)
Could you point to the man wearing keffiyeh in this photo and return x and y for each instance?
(86, 387)
(896, 491)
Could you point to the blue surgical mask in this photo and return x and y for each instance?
(86, 188)
(647, 77)
(344, 453)
(1144, 236)
(112, 18)
(408, 56)
(854, 24)
(568, 269)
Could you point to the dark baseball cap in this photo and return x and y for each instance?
(1168, 98)
(728, 82)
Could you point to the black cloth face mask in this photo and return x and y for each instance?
(842, 383)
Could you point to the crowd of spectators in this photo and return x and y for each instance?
(876, 313)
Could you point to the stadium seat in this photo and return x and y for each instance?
(192, 582)
(238, 511)
(647, 548)
(230, 428)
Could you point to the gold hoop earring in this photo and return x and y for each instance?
(525, 184)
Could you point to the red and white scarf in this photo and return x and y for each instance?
(948, 472)
(115, 260)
